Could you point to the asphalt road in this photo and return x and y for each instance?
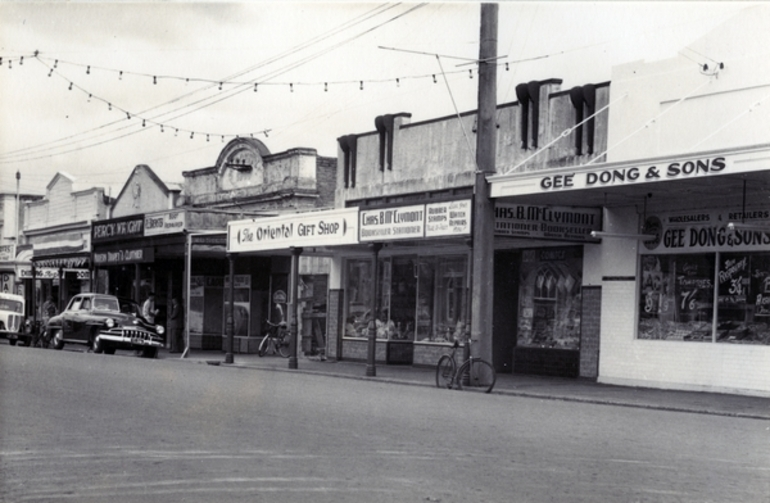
(95, 428)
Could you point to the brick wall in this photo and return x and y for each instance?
(326, 181)
(590, 330)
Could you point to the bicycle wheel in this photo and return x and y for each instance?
(262, 349)
(445, 371)
(282, 342)
(477, 375)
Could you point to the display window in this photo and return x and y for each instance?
(550, 298)
(709, 297)
(422, 299)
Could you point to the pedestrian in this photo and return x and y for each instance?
(49, 309)
(175, 323)
(148, 308)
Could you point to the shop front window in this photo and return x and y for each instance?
(549, 312)
(422, 299)
(677, 298)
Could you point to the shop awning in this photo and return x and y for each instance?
(704, 180)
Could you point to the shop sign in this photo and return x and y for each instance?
(605, 177)
(62, 262)
(51, 273)
(168, 222)
(707, 230)
(124, 256)
(407, 222)
(239, 280)
(547, 222)
(322, 228)
(7, 253)
(119, 228)
(451, 218)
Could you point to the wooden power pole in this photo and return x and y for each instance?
(483, 208)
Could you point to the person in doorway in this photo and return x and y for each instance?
(49, 310)
(175, 321)
(148, 308)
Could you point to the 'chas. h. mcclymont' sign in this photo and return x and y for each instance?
(321, 228)
(441, 219)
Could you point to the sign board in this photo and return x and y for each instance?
(321, 228)
(104, 231)
(451, 218)
(441, 219)
(584, 178)
(167, 222)
(126, 255)
(25, 272)
(700, 231)
(7, 253)
(547, 222)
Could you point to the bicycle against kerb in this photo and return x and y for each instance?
(474, 373)
(276, 340)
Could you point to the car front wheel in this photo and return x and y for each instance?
(97, 345)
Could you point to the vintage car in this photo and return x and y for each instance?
(105, 323)
(12, 326)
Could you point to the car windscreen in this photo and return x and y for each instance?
(11, 305)
(109, 304)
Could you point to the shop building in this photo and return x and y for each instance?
(15, 254)
(681, 275)
(170, 239)
(58, 229)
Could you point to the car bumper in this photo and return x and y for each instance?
(129, 339)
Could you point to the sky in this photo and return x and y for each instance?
(95, 88)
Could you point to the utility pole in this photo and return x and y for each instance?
(484, 208)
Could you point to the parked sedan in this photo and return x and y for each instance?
(105, 323)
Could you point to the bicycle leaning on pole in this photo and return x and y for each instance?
(473, 373)
(276, 339)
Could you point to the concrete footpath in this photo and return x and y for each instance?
(539, 387)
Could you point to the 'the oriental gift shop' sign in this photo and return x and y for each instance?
(167, 222)
(104, 231)
(547, 222)
(320, 228)
(707, 230)
(448, 218)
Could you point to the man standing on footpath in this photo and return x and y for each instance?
(175, 321)
(148, 308)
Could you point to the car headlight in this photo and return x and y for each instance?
(109, 322)
(159, 329)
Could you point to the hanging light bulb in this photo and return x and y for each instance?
(88, 70)
(128, 115)
(49, 73)
(89, 97)
(291, 87)
(434, 78)
(220, 86)
(10, 64)
(143, 123)
(21, 60)
(70, 88)
(161, 128)
(506, 67)
(207, 137)
(120, 75)
(1, 61)
(255, 87)
(55, 63)
(398, 82)
(154, 79)
(470, 74)
(361, 86)
(176, 133)
(192, 134)
(266, 131)
(326, 86)
(223, 138)
(109, 107)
